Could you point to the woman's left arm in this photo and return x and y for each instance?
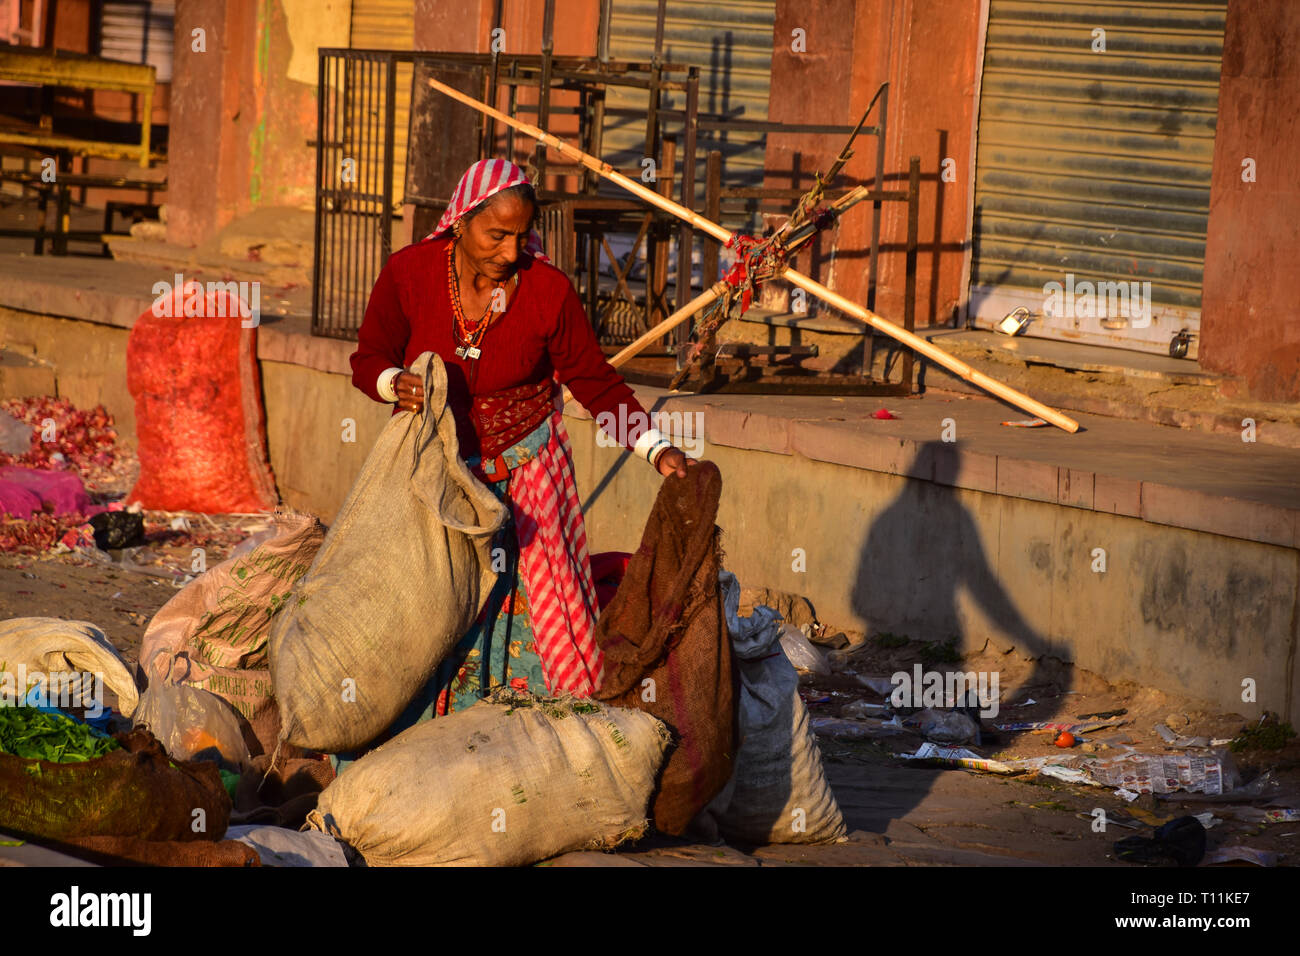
(580, 364)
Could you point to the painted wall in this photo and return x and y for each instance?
(1249, 326)
(245, 108)
(1180, 611)
(928, 52)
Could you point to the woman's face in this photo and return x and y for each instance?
(493, 241)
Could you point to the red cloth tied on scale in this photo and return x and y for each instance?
(738, 276)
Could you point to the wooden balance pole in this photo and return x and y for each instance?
(912, 341)
(664, 327)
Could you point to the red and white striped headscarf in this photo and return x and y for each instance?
(481, 181)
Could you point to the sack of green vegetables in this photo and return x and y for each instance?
(61, 779)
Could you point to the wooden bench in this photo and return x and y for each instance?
(78, 71)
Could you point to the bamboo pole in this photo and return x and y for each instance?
(915, 342)
(664, 327)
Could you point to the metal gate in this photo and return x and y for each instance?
(1096, 137)
(355, 156)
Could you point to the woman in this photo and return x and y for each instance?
(507, 325)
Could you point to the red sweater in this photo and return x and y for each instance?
(543, 332)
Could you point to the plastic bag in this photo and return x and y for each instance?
(190, 723)
(802, 653)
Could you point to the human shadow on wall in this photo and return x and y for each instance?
(918, 555)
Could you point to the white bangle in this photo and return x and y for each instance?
(648, 442)
(384, 386)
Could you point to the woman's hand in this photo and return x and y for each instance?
(410, 392)
(674, 462)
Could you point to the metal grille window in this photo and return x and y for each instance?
(1096, 136)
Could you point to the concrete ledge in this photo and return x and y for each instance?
(1184, 480)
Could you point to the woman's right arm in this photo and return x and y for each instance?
(381, 342)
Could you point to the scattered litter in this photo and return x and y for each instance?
(1208, 820)
(1114, 818)
(1027, 703)
(1065, 739)
(1048, 725)
(1104, 714)
(1125, 794)
(944, 726)
(841, 729)
(1178, 740)
(1286, 815)
(1068, 775)
(1027, 423)
(860, 708)
(1233, 854)
(959, 757)
(1165, 773)
(802, 653)
(883, 414)
(880, 685)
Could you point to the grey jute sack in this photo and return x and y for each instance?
(778, 791)
(400, 578)
(509, 781)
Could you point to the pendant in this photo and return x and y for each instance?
(460, 351)
(473, 352)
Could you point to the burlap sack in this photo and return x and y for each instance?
(220, 624)
(666, 649)
(31, 648)
(137, 791)
(400, 578)
(129, 851)
(507, 782)
(778, 793)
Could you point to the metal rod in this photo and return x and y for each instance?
(928, 349)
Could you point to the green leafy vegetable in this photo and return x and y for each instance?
(35, 735)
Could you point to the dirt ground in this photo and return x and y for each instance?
(899, 813)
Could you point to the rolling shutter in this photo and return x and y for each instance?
(139, 33)
(1093, 166)
(390, 25)
(731, 42)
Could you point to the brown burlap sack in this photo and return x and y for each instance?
(219, 625)
(283, 796)
(136, 791)
(666, 648)
(128, 851)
